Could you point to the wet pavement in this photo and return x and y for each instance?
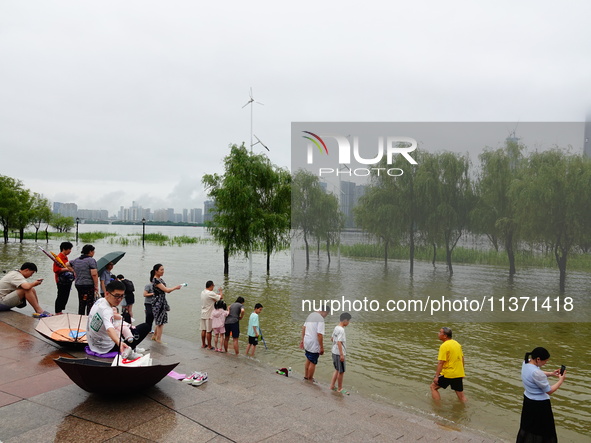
(243, 401)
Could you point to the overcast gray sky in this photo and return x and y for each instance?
(103, 103)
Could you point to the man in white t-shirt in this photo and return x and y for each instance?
(208, 299)
(15, 290)
(102, 335)
(312, 341)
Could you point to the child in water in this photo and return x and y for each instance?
(218, 321)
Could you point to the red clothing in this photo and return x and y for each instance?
(57, 268)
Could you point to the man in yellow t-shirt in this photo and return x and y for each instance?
(450, 366)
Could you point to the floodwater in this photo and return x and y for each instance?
(391, 355)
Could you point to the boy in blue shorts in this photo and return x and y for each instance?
(253, 329)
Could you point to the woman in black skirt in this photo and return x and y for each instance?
(160, 306)
(537, 420)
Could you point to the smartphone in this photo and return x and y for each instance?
(562, 369)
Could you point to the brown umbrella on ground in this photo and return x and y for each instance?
(65, 329)
(101, 377)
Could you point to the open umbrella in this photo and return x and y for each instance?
(111, 257)
(101, 377)
(65, 329)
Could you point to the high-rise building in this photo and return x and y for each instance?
(65, 209)
(196, 215)
(350, 194)
(208, 209)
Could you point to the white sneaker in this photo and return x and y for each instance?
(200, 380)
(191, 378)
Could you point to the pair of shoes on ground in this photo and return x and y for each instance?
(41, 315)
(130, 354)
(196, 378)
(219, 350)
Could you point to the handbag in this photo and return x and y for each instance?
(65, 277)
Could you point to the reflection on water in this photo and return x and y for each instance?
(392, 361)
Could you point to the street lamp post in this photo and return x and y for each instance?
(143, 231)
(77, 222)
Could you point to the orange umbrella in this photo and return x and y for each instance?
(65, 329)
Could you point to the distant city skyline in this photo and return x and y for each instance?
(133, 213)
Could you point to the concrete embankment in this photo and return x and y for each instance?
(242, 401)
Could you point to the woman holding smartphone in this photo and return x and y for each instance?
(537, 420)
(160, 306)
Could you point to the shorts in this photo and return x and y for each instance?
(234, 329)
(10, 301)
(221, 330)
(205, 325)
(129, 299)
(456, 384)
(338, 364)
(253, 341)
(312, 356)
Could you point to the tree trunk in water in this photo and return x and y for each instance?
(46, 235)
(386, 252)
(226, 261)
(318, 247)
(434, 254)
(448, 260)
(328, 249)
(21, 234)
(307, 251)
(268, 259)
(510, 254)
(412, 249)
(561, 259)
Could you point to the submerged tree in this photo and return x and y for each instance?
(251, 204)
(494, 214)
(553, 203)
(272, 222)
(306, 198)
(449, 200)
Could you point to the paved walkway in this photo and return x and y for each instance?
(242, 401)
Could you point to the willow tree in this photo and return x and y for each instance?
(252, 205)
(235, 200)
(306, 206)
(271, 223)
(40, 212)
(12, 197)
(494, 214)
(449, 199)
(330, 221)
(553, 203)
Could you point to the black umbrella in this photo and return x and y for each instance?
(101, 377)
(111, 257)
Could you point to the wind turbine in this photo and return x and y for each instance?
(251, 102)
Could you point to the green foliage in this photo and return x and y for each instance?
(90, 237)
(494, 213)
(314, 212)
(553, 203)
(62, 223)
(252, 204)
(20, 208)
